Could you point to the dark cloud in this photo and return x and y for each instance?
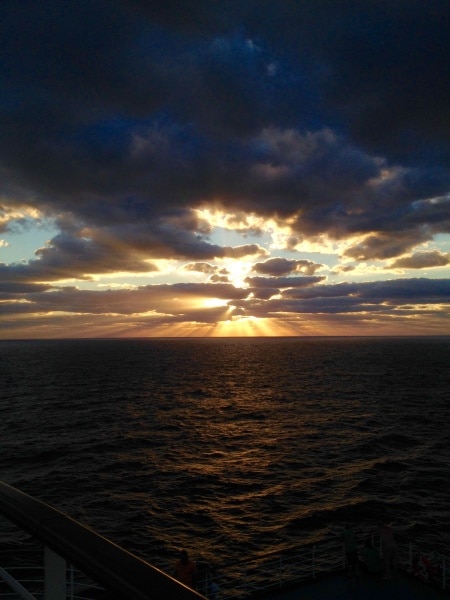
(201, 267)
(282, 282)
(362, 298)
(220, 278)
(343, 269)
(264, 288)
(191, 17)
(383, 246)
(81, 86)
(421, 260)
(68, 257)
(217, 274)
(164, 305)
(12, 289)
(163, 299)
(395, 291)
(401, 94)
(243, 251)
(118, 120)
(378, 68)
(303, 292)
(283, 266)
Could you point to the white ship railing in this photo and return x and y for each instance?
(283, 570)
(29, 581)
(121, 574)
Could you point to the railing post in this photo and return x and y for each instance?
(72, 582)
(314, 561)
(55, 576)
(206, 583)
(444, 581)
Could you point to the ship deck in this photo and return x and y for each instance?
(342, 587)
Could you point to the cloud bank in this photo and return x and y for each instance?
(121, 124)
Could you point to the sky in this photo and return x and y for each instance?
(224, 168)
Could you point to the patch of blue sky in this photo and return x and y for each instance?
(442, 241)
(21, 243)
(235, 237)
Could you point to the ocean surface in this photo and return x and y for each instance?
(231, 447)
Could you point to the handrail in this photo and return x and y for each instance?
(123, 574)
(16, 586)
(266, 573)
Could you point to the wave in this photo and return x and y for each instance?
(229, 447)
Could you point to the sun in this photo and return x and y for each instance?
(213, 302)
(237, 271)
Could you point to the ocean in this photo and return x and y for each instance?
(231, 447)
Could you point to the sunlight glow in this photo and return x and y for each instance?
(281, 234)
(231, 221)
(237, 271)
(252, 327)
(321, 244)
(212, 302)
